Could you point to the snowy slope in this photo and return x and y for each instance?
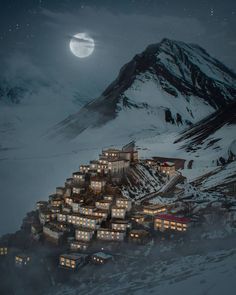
(212, 138)
(170, 85)
(196, 268)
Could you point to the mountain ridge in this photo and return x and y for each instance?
(179, 78)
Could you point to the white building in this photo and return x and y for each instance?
(71, 261)
(103, 204)
(118, 166)
(79, 177)
(62, 217)
(84, 234)
(79, 245)
(124, 203)
(110, 234)
(86, 209)
(97, 184)
(117, 212)
(86, 221)
(44, 216)
(52, 233)
(120, 225)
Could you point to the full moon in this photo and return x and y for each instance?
(81, 45)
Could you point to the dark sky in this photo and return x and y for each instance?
(34, 35)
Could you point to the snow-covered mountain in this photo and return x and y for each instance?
(213, 135)
(170, 86)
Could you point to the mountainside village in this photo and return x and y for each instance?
(93, 210)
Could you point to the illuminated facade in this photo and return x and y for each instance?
(153, 209)
(3, 250)
(84, 234)
(103, 204)
(86, 221)
(164, 222)
(124, 203)
(167, 168)
(71, 261)
(117, 212)
(22, 260)
(138, 235)
(97, 184)
(110, 234)
(100, 258)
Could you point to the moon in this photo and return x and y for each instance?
(81, 45)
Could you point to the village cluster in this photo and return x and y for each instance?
(91, 208)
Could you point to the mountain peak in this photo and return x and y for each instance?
(173, 82)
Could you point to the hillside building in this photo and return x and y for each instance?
(3, 250)
(79, 245)
(45, 216)
(167, 168)
(124, 203)
(118, 212)
(52, 233)
(103, 204)
(120, 225)
(100, 258)
(164, 222)
(86, 209)
(41, 205)
(60, 190)
(154, 209)
(84, 234)
(71, 261)
(97, 184)
(84, 168)
(138, 218)
(110, 234)
(79, 177)
(22, 260)
(138, 235)
(86, 221)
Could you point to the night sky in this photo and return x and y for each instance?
(34, 35)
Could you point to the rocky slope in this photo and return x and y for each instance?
(214, 134)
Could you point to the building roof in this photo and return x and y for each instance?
(72, 256)
(78, 173)
(42, 202)
(84, 229)
(97, 178)
(94, 162)
(117, 160)
(88, 206)
(138, 216)
(119, 221)
(167, 164)
(85, 216)
(173, 218)
(53, 228)
(22, 255)
(80, 242)
(116, 207)
(111, 150)
(110, 230)
(104, 201)
(139, 231)
(101, 211)
(102, 255)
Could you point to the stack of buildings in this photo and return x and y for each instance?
(91, 207)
